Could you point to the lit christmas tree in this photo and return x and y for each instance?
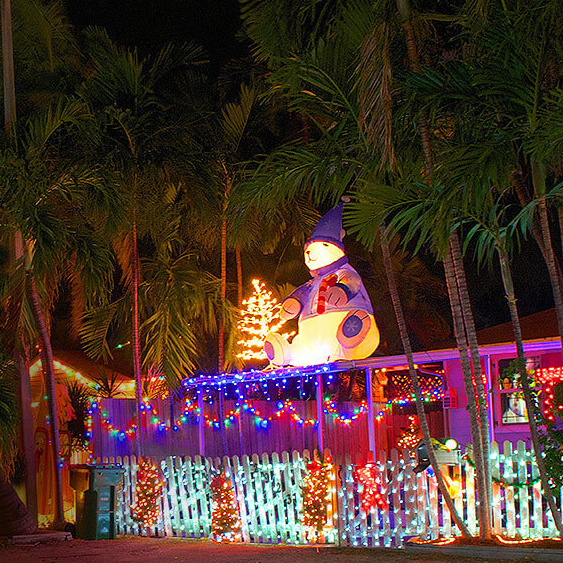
(316, 496)
(411, 436)
(149, 492)
(225, 520)
(259, 316)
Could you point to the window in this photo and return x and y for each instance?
(512, 404)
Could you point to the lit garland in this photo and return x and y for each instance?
(282, 408)
(515, 484)
(149, 492)
(316, 495)
(373, 495)
(523, 541)
(438, 541)
(225, 519)
(259, 317)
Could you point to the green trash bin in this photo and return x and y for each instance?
(95, 487)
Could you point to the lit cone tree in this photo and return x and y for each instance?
(411, 436)
(316, 496)
(149, 492)
(225, 520)
(259, 316)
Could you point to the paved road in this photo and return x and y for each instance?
(175, 550)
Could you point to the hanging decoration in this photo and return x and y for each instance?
(225, 518)
(317, 495)
(373, 494)
(259, 316)
(411, 436)
(149, 490)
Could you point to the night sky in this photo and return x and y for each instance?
(149, 24)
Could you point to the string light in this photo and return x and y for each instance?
(550, 377)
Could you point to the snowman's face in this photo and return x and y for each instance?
(319, 254)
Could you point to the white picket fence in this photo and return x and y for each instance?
(269, 497)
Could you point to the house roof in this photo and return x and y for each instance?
(537, 326)
(76, 366)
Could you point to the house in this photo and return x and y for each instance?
(76, 377)
(507, 413)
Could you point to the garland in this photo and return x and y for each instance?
(514, 484)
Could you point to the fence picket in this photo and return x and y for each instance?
(238, 477)
(509, 477)
(278, 500)
(523, 496)
(469, 474)
(288, 496)
(497, 500)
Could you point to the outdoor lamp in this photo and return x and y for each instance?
(422, 457)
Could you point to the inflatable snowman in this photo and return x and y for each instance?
(335, 314)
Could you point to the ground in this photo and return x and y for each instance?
(176, 550)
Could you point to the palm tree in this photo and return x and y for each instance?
(492, 236)
(53, 203)
(134, 142)
(16, 519)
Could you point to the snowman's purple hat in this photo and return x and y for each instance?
(329, 228)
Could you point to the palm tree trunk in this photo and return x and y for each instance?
(221, 359)
(391, 282)
(49, 371)
(462, 344)
(471, 333)
(27, 438)
(538, 178)
(16, 519)
(137, 341)
(8, 67)
(531, 405)
(239, 275)
(483, 485)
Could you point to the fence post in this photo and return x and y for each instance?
(320, 411)
(488, 375)
(371, 418)
(201, 428)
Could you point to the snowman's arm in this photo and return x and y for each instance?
(350, 282)
(293, 304)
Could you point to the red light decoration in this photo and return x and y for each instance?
(374, 494)
(549, 378)
(149, 492)
(225, 519)
(316, 495)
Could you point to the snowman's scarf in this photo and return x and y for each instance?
(329, 281)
